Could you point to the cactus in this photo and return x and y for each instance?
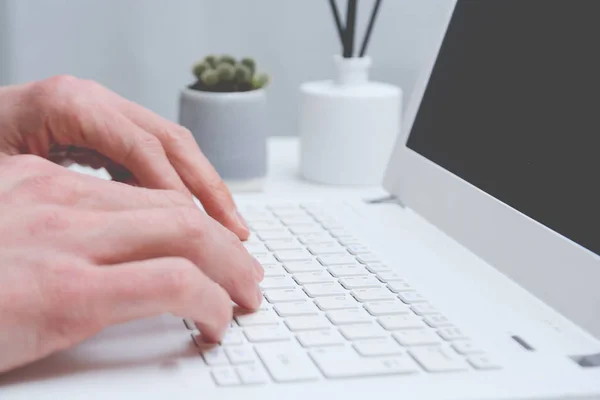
(225, 74)
(210, 77)
(250, 63)
(211, 60)
(227, 59)
(242, 73)
(199, 68)
(260, 81)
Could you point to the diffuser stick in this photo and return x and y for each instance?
(374, 13)
(349, 31)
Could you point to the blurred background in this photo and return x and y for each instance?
(145, 49)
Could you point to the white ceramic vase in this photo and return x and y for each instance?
(348, 126)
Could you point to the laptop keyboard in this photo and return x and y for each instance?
(333, 309)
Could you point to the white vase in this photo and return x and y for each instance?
(348, 126)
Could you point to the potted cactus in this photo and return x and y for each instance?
(225, 109)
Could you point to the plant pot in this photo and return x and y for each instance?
(348, 126)
(231, 130)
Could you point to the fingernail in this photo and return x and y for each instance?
(258, 270)
(242, 220)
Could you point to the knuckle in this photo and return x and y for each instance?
(50, 187)
(190, 223)
(48, 221)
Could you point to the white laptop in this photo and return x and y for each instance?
(479, 279)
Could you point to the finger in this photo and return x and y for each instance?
(192, 166)
(153, 287)
(117, 237)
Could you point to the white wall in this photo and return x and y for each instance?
(143, 49)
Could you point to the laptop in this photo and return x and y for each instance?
(478, 279)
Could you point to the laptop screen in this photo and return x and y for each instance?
(513, 107)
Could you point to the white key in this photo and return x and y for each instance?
(373, 294)
(302, 266)
(273, 270)
(287, 363)
(437, 359)
(340, 233)
(328, 337)
(326, 248)
(406, 321)
(344, 317)
(336, 303)
(437, 321)
(284, 295)
(304, 278)
(251, 374)
(279, 282)
(465, 347)
(363, 331)
(308, 228)
(189, 324)
(378, 347)
(283, 244)
(307, 323)
(424, 309)
(368, 258)
(225, 377)
(378, 267)
(293, 255)
(347, 270)
(215, 355)
(399, 287)
(267, 333)
(266, 259)
(388, 307)
(296, 220)
(348, 241)
(329, 223)
(416, 337)
(296, 308)
(411, 297)
(265, 225)
(336, 259)
(274, 234)
(315, 238)
(389, 276)
(255, 247)
(253, 238)
(357, 249)
(324, 289)
(290, 212)
(483, 362)
(283, 206)
(359, 282)
(260, 317)
(240, 354)
(451, 334)
(232, 337)
(344, 362)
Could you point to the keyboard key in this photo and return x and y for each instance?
(307, 323)
(315, 238)
(336, 259)
(368, 258)
(267, 333)
(389, 276)
(189, 324)
(287, 363)
(328, 223)
(336, 303)
(305, 229)
(400, 286)
(437, 359)
(255, 247)
(344, 362)
(240, 354)
(359, 282)
(349, 241)
(437, 321)
(273, 270)
(328, 337)
(304, 278)
(388, 307)
(378, 267)
(411, 297)
(214, 356)
(290, 212)
(378, 347)
(340, 233)
(283, 206)
(232, 337)
(347, 270)
(283, 244)
(293, 255)
(466, 347)
(483, 362)
(225, 377)
(357, 249)
(260, 317)
(265, 225)
(363, 331)
(266, 259)
(406, 321)
(302, 266)
(274, 234)
(326, 248)
(284, 295)
(373, 294)
(416, 337)
(296, 308)
(352, 316)
(251, 374)
(280, 282)
(324, 289)
(424, 309)
(296, 220)
(451, 334)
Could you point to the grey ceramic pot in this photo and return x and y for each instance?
(231, 130)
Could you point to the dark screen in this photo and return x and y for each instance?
(513, 107)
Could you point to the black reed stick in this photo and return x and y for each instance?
(374, 13)
(349, 31)
(338, 22)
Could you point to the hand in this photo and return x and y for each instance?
(79, 253)
(50, 117)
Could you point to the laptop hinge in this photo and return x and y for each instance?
(386, 200)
